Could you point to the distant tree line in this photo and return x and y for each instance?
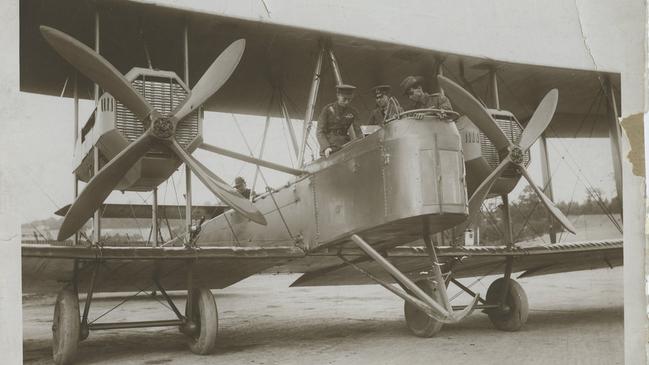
(530, 218)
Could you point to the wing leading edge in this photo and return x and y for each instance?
(46, 268)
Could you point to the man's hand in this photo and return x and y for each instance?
(328, 151)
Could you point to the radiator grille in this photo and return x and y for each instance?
(164, 94)
(509, 125)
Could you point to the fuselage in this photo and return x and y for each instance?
(382, 187)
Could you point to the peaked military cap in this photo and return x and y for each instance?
(345, 89)
(410, 82)
(381, 90)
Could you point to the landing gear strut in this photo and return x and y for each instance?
(199, 323)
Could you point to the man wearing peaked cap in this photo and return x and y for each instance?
(387, 106)
(240, 185)
(412, 88)
(335, 120)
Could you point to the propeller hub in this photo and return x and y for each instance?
(516, 154)
(163, 128)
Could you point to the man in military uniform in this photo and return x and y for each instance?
(387, 106)
(240, 185)
(412, 88)
(335, 120)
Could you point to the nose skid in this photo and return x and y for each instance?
(411, 292)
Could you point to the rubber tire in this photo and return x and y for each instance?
(516, 300)
(206, 317)
(418, 322)
(65, 327)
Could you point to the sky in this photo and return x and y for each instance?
(40, 135)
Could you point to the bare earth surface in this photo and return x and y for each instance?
(575, 318)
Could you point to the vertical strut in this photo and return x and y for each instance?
(89, 293)
(96, 224)
(189, 311)
(289, 124)
(154, 217)
(263, 146)
(441, 284)
(310, 107)
(507, 220)
(510, 243)
(339, 81)
(494, 89)
(614, 137)
(508, 273)
(188, 172)
(335, 67)
(76, 138)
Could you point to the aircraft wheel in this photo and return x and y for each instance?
(65, 327)
(418, 322)
(515, 315)
(202, 338)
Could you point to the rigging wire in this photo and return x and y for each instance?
(529, 215)
(268, 188)
(574, 189)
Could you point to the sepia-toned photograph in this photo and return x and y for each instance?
(324, 182)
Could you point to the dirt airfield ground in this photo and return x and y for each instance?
(575, 318)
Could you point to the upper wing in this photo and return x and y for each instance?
(45, 268)
(281, 55)
(472, 261)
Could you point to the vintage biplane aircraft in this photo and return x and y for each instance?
(340, 220)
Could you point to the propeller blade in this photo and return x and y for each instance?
(480, 194)
(556, 212)
(101, 185)
(219, 187)
(212, 80)
(98, 69)
(471, 107)
(540, 120)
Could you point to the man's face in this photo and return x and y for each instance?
(344, 100)
(416, 94)
(241, 187)
(382, 100)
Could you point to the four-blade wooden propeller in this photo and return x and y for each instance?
(473, 109)
(161, 131)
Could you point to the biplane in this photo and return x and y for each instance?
(371, 213)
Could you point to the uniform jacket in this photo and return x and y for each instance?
(379, 115)
(333, 124)
(435, 101)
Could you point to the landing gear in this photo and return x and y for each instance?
(202, 321)
(65, 327)
(511, 314)
(418, 322)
